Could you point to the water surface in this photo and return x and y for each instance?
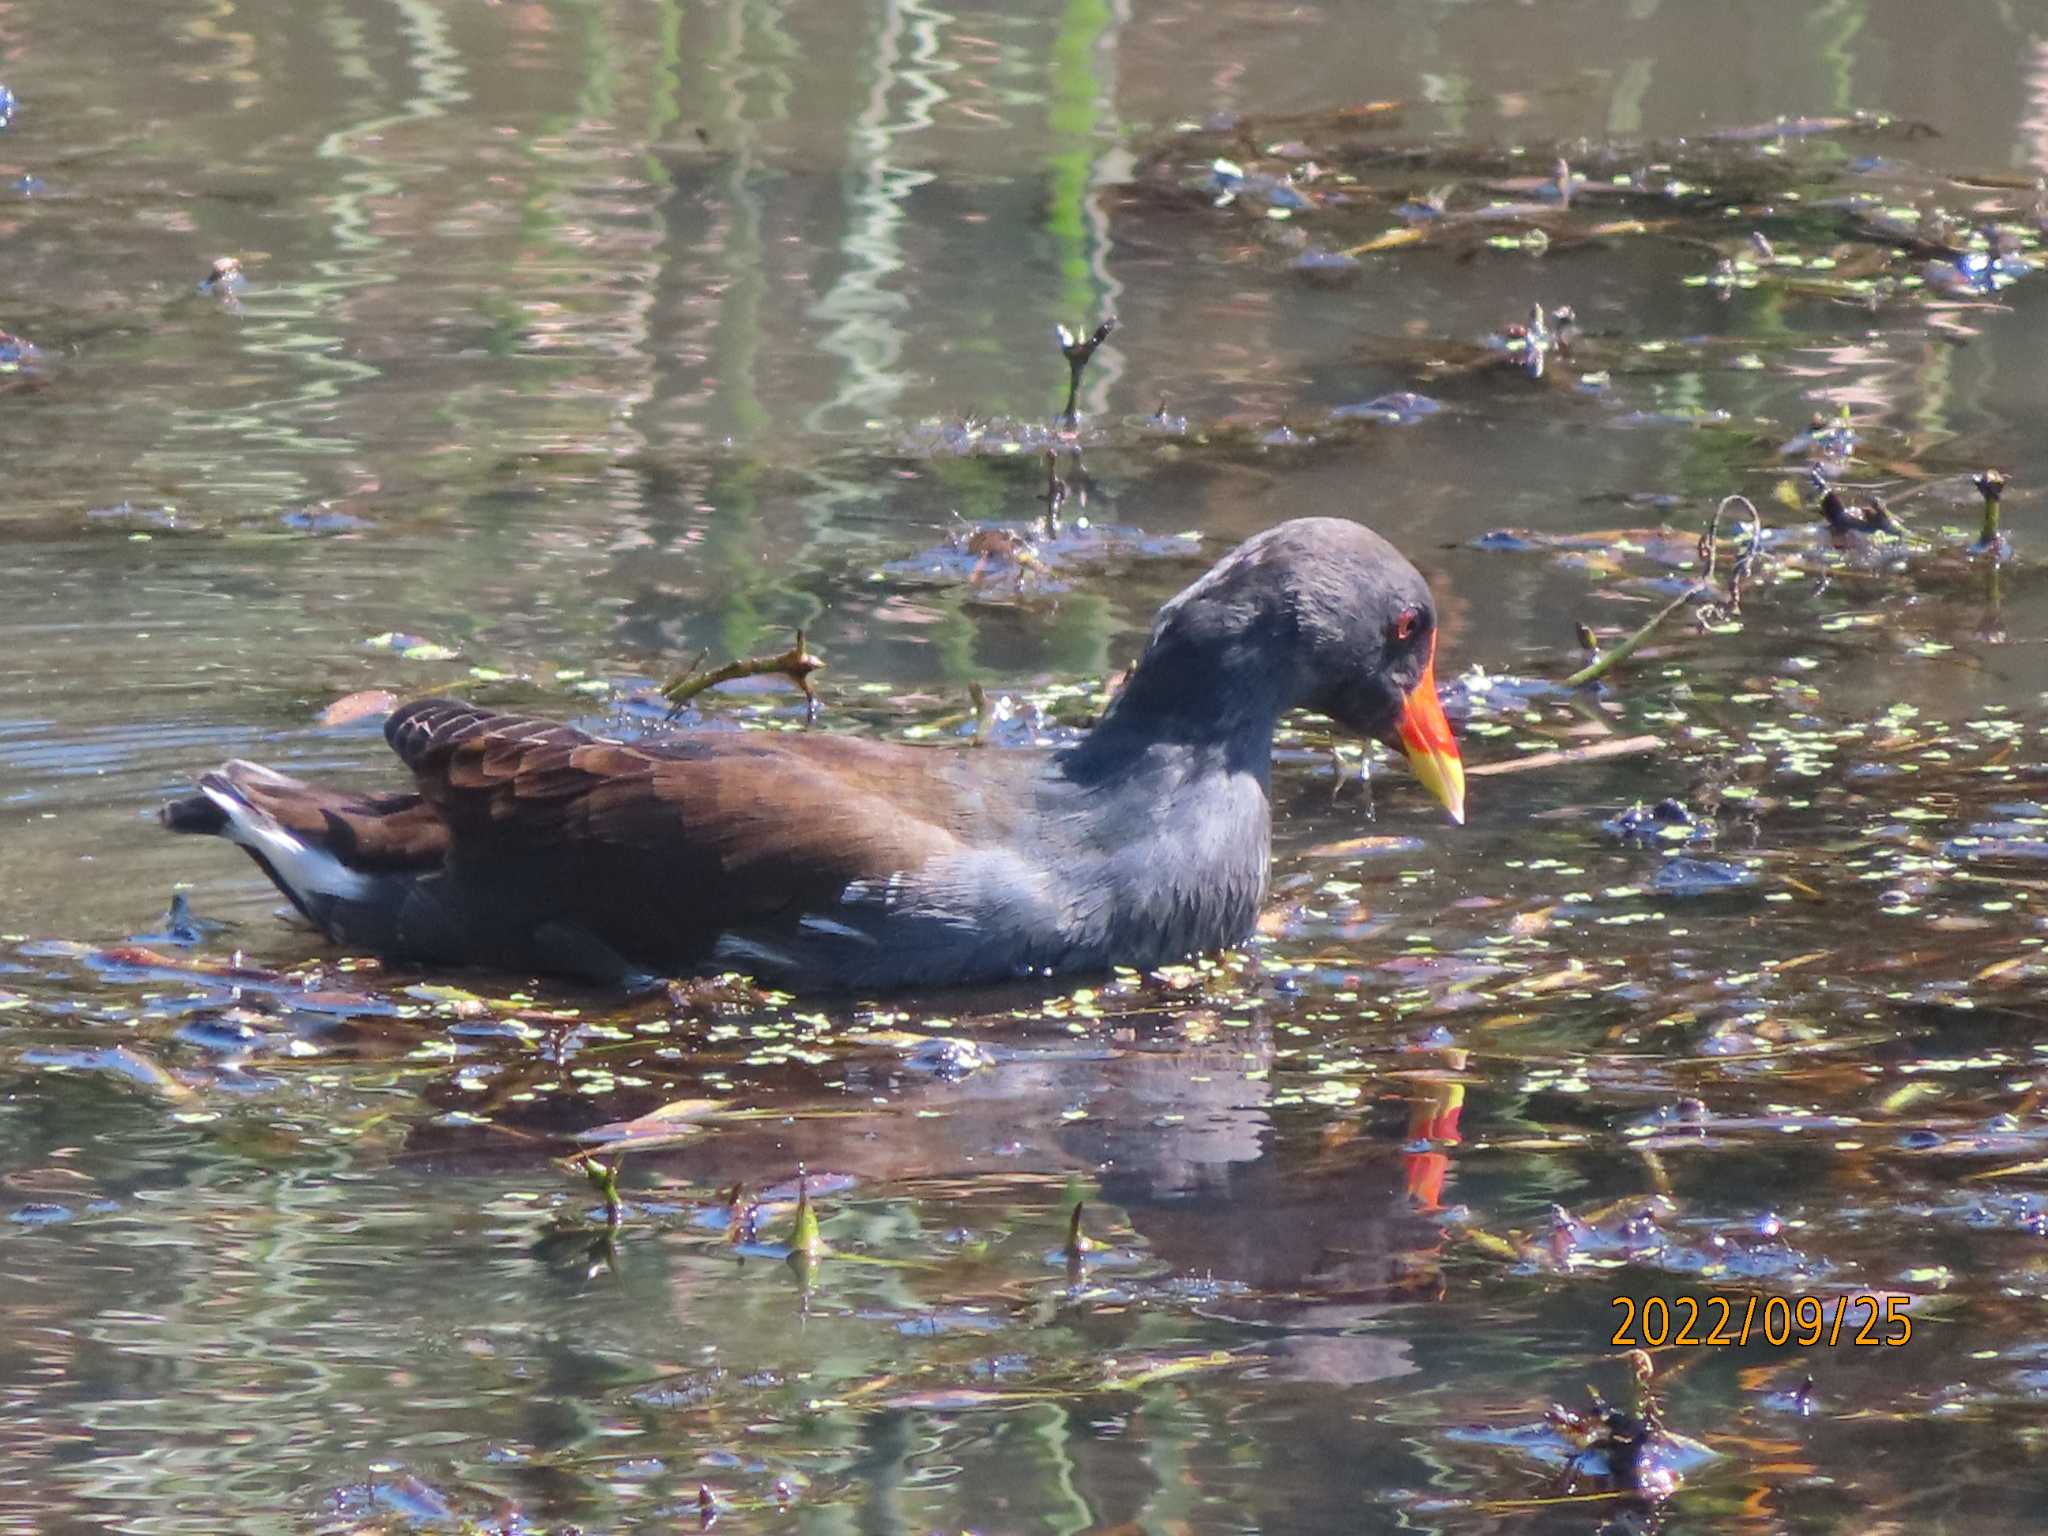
(576, 339)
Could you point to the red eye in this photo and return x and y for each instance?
(1406, 625)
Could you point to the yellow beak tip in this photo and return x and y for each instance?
(1442, 775)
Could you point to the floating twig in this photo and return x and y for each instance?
(1711, 613)
(1622, 746)
(796, 664)
(1607, 661)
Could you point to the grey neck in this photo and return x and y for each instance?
(1217, 703)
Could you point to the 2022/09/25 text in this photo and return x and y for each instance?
(1862, 1318)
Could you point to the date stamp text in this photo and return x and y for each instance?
(1861, 1318)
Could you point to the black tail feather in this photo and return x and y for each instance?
(194, 813)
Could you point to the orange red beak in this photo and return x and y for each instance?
(1426, 738)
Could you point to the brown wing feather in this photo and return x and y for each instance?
(389, 834)
(647, 843)
(373, 834)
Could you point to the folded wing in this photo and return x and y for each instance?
(663, 851)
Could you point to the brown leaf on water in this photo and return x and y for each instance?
(2001, 970)
(141, 957)
(350, 708)
(1351, 845)
(1273, 922)
(1797, 962)
(1576, 974)
(960, 1399)
(665, 1126)
(2010, 1170)
(1131, 1375)
(1342, 116)
(1508, 1020)
(1491, 1246)
(1626, 227)
(139, 1068)
(1393, 239)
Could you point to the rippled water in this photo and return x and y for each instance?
(575, 339)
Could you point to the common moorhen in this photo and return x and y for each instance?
(829, 861)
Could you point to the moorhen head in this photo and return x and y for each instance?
(823, 860)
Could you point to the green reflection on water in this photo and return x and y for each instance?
(1076, 115)
(484, 229)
